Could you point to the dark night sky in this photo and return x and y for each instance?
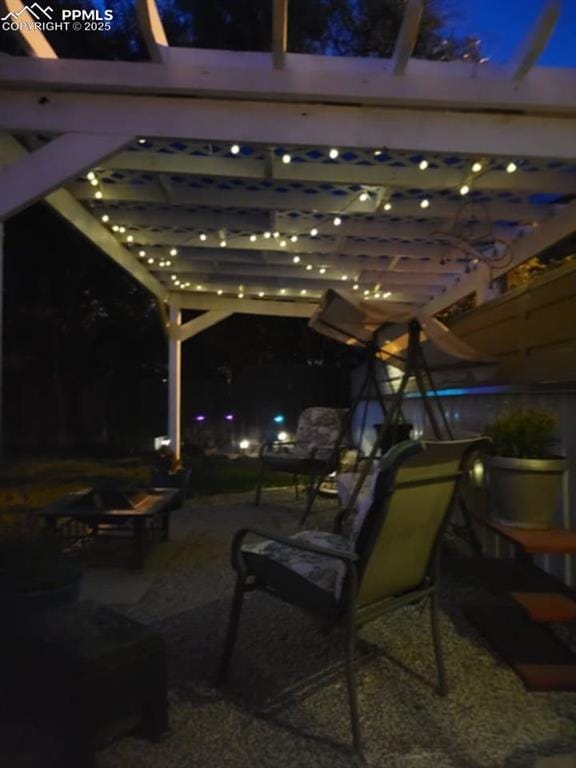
(502, 24)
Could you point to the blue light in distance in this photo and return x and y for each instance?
(279, 419)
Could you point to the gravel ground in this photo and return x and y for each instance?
(285, 704)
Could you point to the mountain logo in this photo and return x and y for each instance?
(37, 12)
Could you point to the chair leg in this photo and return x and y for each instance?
(437, 642)
(259, 483)
(232, 632)
(310, 498)
(351, 683)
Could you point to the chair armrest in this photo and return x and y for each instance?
(348, 557)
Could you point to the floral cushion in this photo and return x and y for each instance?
(323, 571)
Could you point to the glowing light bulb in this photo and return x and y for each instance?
(511, 167)
(387, 206)
(267, 235)
(173, 252)
(203, 236)
(234, 149)
(344, 277)
(296, 259)
(425, 203)
(142, 254)
(294, 239)
(253, 238)
(477, 167)
(313, 232)
(283, 243)
(223, 243)
(308, 267)
(260, 294)
(337, 221)
(286, 158)
(105, 218)
(464, 189)
(94, 181)
(282, 291)
(90, 176)
(98, 195)
(364, 196)
(275, 235)
(333, 154)
(423, 165)
(150, 260)
(355, 287)
(322, 270)
(219, 292)
(130, 239)
(121, 230)
(303, 292)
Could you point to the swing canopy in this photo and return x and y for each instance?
(368, 324)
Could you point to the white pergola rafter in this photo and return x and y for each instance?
(248, 306)
(341, 173)
(35, 175)
(324, 203)
(535, 41)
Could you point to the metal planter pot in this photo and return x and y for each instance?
(523, 493)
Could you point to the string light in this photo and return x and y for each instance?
(387, 206)
(387, 294)
(94, 181)
(275, 235)
(105, 218)
(203, 236)
(303, 292)
(121, 230)
(337, 221)
(355, 287)
(283, 243)
(219, 292)
(464, 189)
(260, 294)
(364, 196)
(423, 165)
(150, 260)
(234, 149)
(91, 176)
(294, 239)
(141, 141)
(98, 195)
(286, 158)
(425, 203)
(267, 235)
(344, 277)
(322, 270)
(199, 287)
(241, 295)
(173, 252)
(308, 267)
(282, 291)
(377, 152)
(115, 228)
(313, 232)
(223, 243)
(511, 167)
(477, 167)
(130, 239)
(142, 254)
(333, 154)
(296, 259)
(253, 238)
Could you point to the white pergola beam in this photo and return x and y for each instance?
(152, 30)
(407, 36)
(199, 324)
(306, 78)
(322, 203)
(28, 16)
(535, 41)
(340, 173)
(35, 175)
(242, 306)
(279, 32)
(544, 236)
(76, 214)
(476, 133)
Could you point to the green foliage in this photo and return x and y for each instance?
(523, 433)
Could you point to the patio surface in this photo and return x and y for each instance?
(285, 704)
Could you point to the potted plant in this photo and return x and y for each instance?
(33, 575)
(524, 477)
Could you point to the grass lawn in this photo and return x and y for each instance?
(26, 485)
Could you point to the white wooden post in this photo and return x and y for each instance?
(174, 380)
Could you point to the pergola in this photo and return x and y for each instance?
(250, 182)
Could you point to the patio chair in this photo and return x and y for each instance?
(313, 453)
(389, 559)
